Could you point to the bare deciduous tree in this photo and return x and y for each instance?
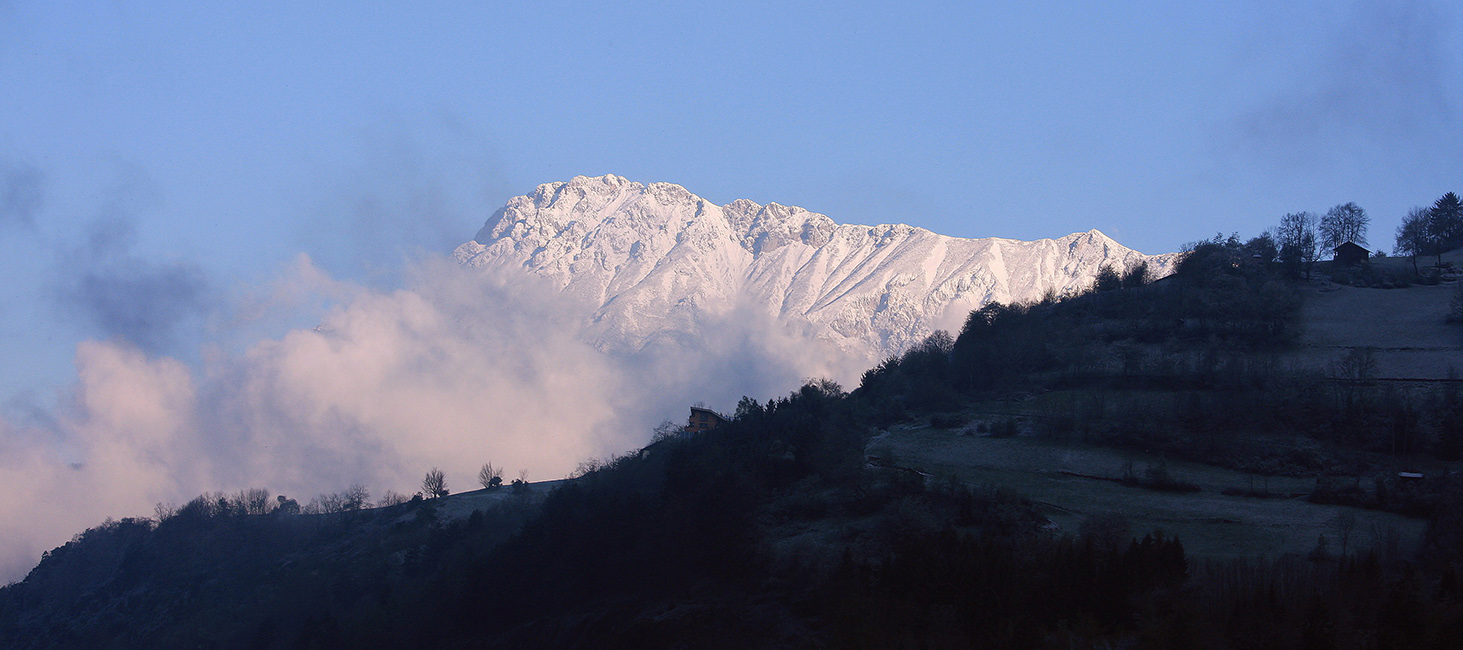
(490, 476)
(1413, 236)
(324, 504)
(434, 484)
(391, 498)
(1358, 364)
(355, 497)
(665, 430)
(254, 501)
(587, 467)
(1296, 235)
(1344, 223)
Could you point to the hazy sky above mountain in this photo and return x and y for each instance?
(254, 132)
(159, 160)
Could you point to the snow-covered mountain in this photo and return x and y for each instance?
(656, 259)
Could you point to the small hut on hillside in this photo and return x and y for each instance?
(1349, 253)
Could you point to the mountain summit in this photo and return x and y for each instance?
(655, 259)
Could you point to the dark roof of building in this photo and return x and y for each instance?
(1349, 246)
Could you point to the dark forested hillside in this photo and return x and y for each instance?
(776, 529)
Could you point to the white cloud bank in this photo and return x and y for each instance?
(453, 370)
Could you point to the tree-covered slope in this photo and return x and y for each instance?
(777, 530)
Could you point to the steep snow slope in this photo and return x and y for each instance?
(656, 259)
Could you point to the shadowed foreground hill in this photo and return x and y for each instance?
(776, 530)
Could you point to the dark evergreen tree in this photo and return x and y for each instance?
(1445, 224)
(1136, 276)
(1107, 279)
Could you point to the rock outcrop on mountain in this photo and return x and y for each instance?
(653, 260)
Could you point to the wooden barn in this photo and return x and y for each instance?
(1349, 253)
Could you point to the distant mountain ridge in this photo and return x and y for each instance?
(656, 259)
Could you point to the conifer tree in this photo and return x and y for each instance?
(1445, 224)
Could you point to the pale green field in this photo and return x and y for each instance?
(1209, 523)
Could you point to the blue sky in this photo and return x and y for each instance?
(222, 141)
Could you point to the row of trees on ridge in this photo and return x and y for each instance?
(1432, 231)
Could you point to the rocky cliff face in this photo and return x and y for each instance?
(653, 260)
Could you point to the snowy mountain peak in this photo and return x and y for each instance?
(655, 258)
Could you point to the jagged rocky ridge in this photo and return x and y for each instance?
(653, 260)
